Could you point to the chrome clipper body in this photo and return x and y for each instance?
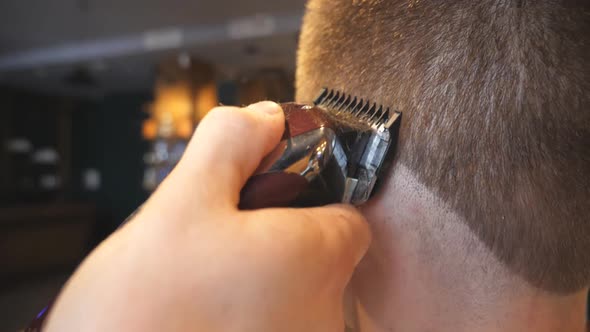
(321, 160)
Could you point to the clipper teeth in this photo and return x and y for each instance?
(371, 113)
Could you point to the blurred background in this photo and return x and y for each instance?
(97, 102)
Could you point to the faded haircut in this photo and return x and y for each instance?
(496, 114)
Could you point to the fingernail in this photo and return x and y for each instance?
(268, 107)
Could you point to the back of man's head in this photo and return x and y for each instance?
(496, 113)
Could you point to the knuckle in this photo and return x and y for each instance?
(234, 120)
(309, 232)
(299, 238)
(221, 113)
(242, 121)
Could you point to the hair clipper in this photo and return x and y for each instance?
(320, 160)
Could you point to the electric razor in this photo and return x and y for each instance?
(335, 150)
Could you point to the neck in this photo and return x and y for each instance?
(426, 271)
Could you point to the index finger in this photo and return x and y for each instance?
(330, 240)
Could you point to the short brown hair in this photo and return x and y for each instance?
(496, 114)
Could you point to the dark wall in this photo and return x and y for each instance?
(107, 137)
(228, 93)
(34, 118)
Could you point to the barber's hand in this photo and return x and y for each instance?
(191, 261)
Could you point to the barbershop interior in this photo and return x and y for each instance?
(98, 100)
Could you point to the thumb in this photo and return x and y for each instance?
(225, 150)
(330, 240)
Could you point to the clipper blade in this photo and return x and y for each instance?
(364, 111)
(368, 134)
